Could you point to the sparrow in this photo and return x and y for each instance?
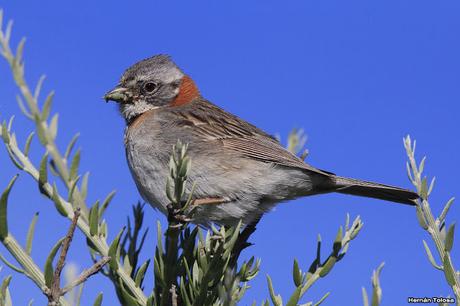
(240, 172)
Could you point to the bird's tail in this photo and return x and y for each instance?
(374, 190)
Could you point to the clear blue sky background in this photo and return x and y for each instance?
(356, 75)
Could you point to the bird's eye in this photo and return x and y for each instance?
(150, 87)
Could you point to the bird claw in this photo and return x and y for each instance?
(176, 215)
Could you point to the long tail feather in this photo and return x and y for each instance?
(374, 190)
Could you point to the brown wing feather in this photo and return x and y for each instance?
(214, 124)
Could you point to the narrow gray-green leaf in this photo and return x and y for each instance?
(70, 146)
(47, 106)
(113, 251)
(450, 238)
(94, 219)
(365, 297)
(322, 299)
(98, 301)
(430, 256)
(421, 217)
(53, 128)
(294, 299)
(128, 298)
(20, 50)
(57, 201)
(4, 208)
(448, 271)
(106, 203)
(5, 133)
(276, 299)
(43, 174)
(4, 288)
(296, 274)
(75, 165)
(444, 212)
(30, 234)
(141, 273)
(49, 271)
(23, 108)
(10, 265)
(39, 86)
(327, 267)
(10, 123)
(28, 142)
(84, 186)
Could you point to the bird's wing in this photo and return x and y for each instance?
(212, 124)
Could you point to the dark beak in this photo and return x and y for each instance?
(118, 94)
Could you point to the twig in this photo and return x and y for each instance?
(48, 140)
(55, 291)
(86, 274)
(173, 295)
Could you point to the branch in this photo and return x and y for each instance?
(86, 274)
(436, 227)
(47, 133)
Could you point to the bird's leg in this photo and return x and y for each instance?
(209, 201)
(176, 218)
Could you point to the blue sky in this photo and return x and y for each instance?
(356, 75)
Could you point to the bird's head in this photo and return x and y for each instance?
(152, 83)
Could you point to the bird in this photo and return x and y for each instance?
(239, 171)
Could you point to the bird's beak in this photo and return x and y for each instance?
(118, 94)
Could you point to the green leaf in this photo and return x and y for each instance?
(365, 297)
(444, 212)
(449, 238)
(322, 299)
(113, 250)
(47, 106)
(40, 130)
(297, 274)
(150, 300)
(73, 186)
(338, 241)
(421, 217)
(10, 265)
(430, 256)
(294, 299)
(75, 164)
(53, 128)
(128, 298)
(424, 189)
(4, 208)
(106, 203)
(98, 301)
(28, 142)
(49, 271)
(94, 219)
(23, 108)
(57, 201)
(84, 186)
(376, 289)
(5, 298)
(20, 50)
(276, 299)
(448, 271)
(70, 146)
(30, 234)
(141, 273)
(5, 133)
(38, 88)
(43, 174)
(327, 267)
